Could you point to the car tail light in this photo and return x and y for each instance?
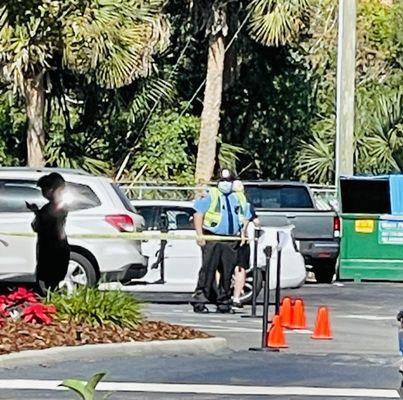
(122, 222)
(336, 226)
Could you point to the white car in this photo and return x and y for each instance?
(98, 206)
(183, 257)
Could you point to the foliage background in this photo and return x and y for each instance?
(278, 112)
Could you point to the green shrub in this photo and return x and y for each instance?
(96, 307)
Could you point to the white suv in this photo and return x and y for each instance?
(97, 206)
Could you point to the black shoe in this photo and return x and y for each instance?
(198, 297)
(236, 305)
(225, 309)
(200, 309)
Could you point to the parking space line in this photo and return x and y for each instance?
(224, 328)
(28, 384)
(367, 317)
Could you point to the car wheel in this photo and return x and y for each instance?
(80, 272)
(246, 296)
(324, 271)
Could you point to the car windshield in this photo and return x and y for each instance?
(279, 197)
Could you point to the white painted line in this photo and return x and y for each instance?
(367, 317)
(224, 328)
(301, 331)
(28, 384)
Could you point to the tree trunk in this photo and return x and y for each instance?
(210, 118)
(34, 93)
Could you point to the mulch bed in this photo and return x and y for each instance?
(18, 336)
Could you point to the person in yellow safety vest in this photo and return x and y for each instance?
(243, 261)
(220, 212)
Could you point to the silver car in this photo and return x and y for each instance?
(97, 206)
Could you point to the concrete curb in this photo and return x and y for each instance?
(96, 351)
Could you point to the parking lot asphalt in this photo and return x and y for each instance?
(363, 354)
(362, 316)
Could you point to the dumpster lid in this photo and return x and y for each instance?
(365, 194)
(380, 194)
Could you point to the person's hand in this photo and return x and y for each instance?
(257, 223)
(32, 207)
(200, 241)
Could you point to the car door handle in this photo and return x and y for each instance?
(4, 242)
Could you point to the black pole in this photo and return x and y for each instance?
(162, 265)
(266, 303)
(278, 289)
(267, 251)
(164, 229)
(255, 272)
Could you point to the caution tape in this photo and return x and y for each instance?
(134, 235)
(144, 236)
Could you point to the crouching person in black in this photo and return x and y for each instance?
(53, 250)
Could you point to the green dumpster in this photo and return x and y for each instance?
(372, 236)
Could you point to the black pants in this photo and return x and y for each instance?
(53, 261)
(217, 256)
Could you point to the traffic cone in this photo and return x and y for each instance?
(286, 313)
(275, 336)
(298, 315)
(322, 326)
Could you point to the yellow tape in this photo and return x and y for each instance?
(132, 235)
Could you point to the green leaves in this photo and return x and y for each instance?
(165, 152)
(276, 22)
(380, 139)
(95, 307)
(114, 41)
(86, 391)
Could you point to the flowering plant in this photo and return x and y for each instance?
(39, 313)
(24, 303)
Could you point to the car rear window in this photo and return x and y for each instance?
(14, 194)
(279, 197)
(123, 198)
(81, 197)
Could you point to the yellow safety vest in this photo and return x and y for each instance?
(243, 203)
(212, 218)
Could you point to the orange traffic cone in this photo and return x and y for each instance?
(286, 313)
(275, 336)
(298, 315)
(322, 326)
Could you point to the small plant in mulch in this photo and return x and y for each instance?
(95, 307)
(87, 316)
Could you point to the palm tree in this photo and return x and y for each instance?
(112, 42)
(271, 23)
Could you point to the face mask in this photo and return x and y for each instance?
(225, 187)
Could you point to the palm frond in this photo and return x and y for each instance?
(276, 22)
(151, 93)
(115, 41)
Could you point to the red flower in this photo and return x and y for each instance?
(38, 312)
(22, 295)
(3, 299)
(3, 310)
